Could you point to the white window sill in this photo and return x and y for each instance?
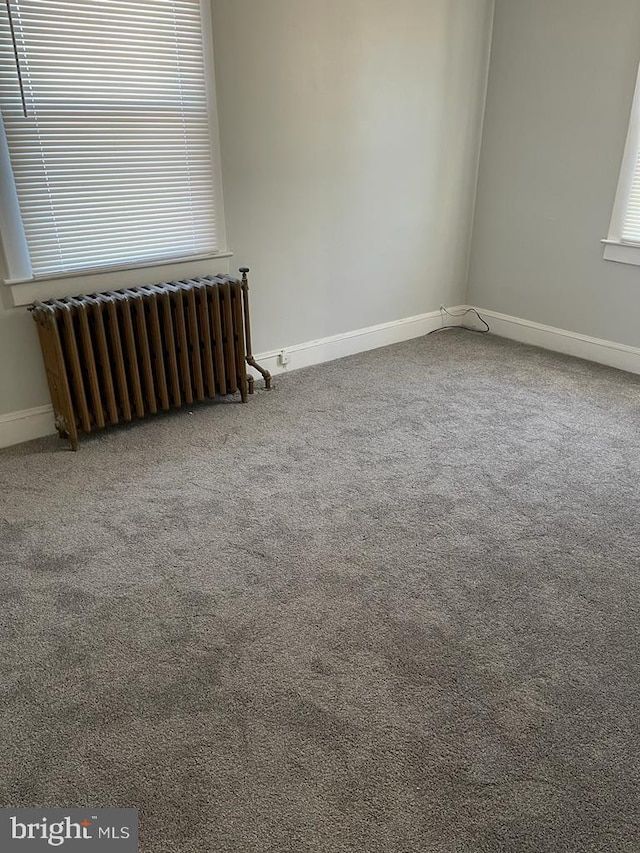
(115, 278)
(622, 253)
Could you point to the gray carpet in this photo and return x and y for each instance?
(391, 605)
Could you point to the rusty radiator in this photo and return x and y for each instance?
(120, 355)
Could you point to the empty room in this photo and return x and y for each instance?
(320, 426)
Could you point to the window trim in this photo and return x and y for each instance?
(206, 17)
(27, 292)
(109, 268)
(615, 248)
(13, 244)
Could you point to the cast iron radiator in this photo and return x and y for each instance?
(125, 354)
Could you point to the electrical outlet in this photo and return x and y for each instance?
(283, 358)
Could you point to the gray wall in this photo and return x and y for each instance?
(22, 380)
(350, 134)
(561, 85)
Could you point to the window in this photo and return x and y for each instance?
(623, 242)
(107, 153)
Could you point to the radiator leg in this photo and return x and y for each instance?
(72, 438)
(247, 332)
(67, 431)
(250, 382)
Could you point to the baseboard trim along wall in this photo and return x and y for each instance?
(17, 427)
(350, 343)
(604, 352)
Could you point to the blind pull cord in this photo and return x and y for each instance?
(17, 57)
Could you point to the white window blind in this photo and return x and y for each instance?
(113, 163)
(631, 222)
(622, 244)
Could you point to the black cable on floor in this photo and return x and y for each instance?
(462, 314)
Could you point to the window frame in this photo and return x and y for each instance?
(615, 248)
(18, 274)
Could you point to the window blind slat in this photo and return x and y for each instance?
(114, 161)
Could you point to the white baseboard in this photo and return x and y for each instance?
(561, 340)
(17, 427)
(350, 343)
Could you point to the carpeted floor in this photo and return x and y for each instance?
(391, 605)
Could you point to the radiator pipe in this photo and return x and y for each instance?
(247, 330)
